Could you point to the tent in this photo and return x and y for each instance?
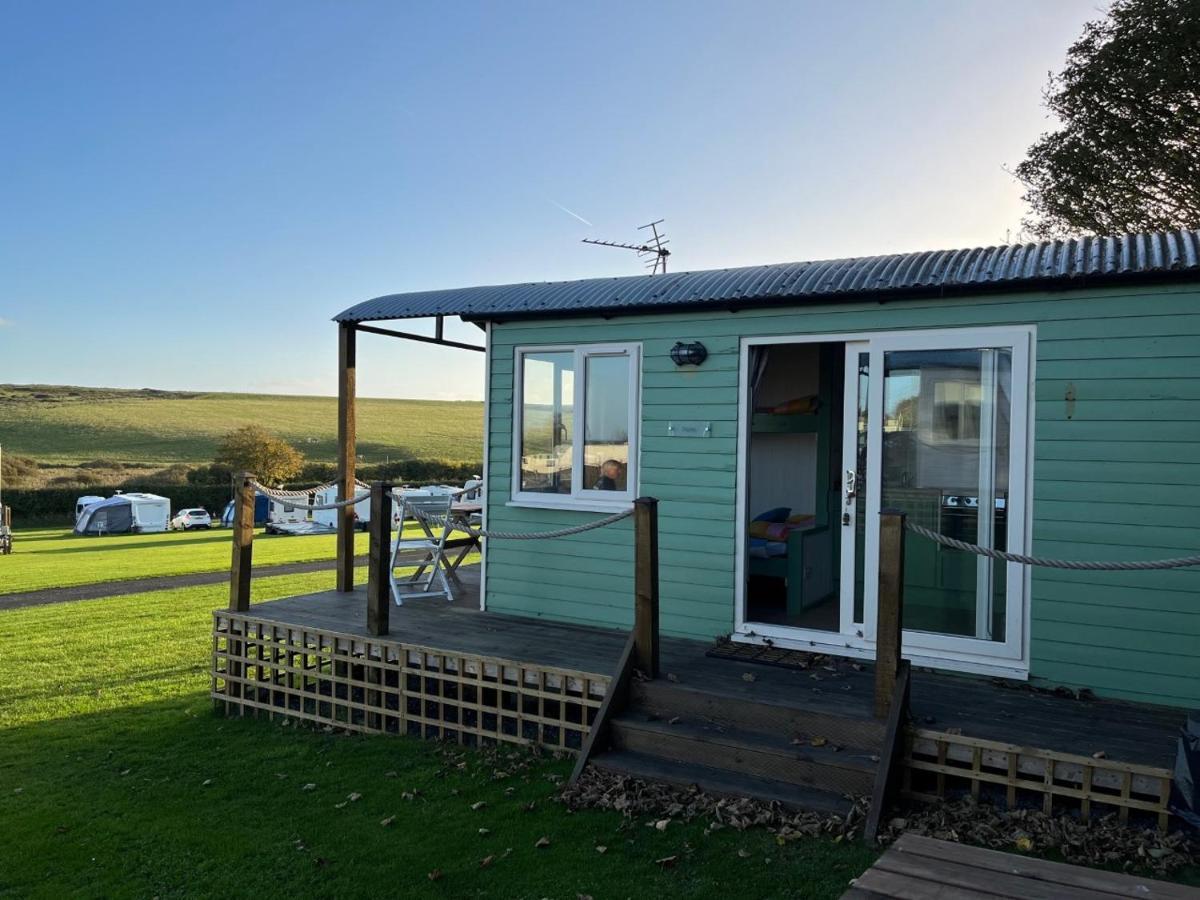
(261, 507)
(133, 513)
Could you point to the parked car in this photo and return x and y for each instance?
(187, 519)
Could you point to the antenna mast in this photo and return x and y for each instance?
(654, 251)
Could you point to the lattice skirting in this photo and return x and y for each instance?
(380, 685)
(937, 761)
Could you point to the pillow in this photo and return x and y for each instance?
(801, 519)
(778, 514)
(759, 529)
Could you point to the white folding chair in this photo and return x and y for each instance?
(432, 513)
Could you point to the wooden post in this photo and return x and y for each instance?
(346, 454)
(379, 588)
(889, 620)
(243, 544)
(645, 584)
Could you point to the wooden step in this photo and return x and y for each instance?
(849, 726)
(830, 767)
(721, 783)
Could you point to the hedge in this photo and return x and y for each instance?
(57, 505)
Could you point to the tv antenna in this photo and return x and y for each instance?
(654, 251)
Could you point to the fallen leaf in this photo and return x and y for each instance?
(542, 842)
(483, 832)
(749, 676)
(355, 797)
(818, 741)
(390, 775)
(388, 821)
(435, 875)
(674, 720)
(667, 862)
(309, 787)
(662, 824)
(206, 782)
(479, 805)
(1023, 844)
(671, 676)
(744, 854)
(487, 861)
(1099, 754)
(601, 849)
(341, 805)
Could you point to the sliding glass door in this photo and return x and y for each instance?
(944, 428)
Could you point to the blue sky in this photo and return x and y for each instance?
(204, 185)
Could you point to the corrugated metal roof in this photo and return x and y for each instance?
(1064, 263)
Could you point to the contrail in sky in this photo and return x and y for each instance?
(573, 214)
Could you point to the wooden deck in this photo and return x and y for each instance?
(967, 733)
(921, 868)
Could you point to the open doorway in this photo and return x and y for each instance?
(794, 461)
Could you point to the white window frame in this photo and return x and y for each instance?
(580, 498)
(1009, 659)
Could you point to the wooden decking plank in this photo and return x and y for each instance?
(968, 876)
(1126, 732)
(1096, 881)
(908, 887)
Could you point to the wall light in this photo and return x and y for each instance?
(688, 354)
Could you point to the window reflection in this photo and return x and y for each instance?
(547, 421)
(606, 422)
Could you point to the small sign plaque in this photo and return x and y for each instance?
(689, 429)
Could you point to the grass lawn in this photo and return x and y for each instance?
(58, 558)
(67, 426)
(117, 779)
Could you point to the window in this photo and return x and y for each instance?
(575, 428)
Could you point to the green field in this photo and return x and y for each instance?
(55, 557)
(118, 780)
(65, 426)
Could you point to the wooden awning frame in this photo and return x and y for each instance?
(347, 443)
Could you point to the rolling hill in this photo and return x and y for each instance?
(66, 426)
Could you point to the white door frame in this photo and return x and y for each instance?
(1009, 659)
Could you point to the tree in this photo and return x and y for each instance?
(1127, 157)
(252, 448)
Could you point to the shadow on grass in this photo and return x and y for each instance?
(169, 798)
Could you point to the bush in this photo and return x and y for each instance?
(317, 473)
(252, 448)
(421, 471)
(102, 464)
(18, 470)
(80, 479)
(176, 474)
(210, 474)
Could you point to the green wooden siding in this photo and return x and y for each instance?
(1122, 473)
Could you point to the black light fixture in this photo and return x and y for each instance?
(688, 354)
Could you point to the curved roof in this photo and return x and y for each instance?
(1065, 263)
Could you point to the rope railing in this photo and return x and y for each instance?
(286, 498)
(460, 525)
(1179, 562)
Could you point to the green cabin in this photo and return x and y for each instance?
(1040, 398)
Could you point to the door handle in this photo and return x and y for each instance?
(851, 485)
